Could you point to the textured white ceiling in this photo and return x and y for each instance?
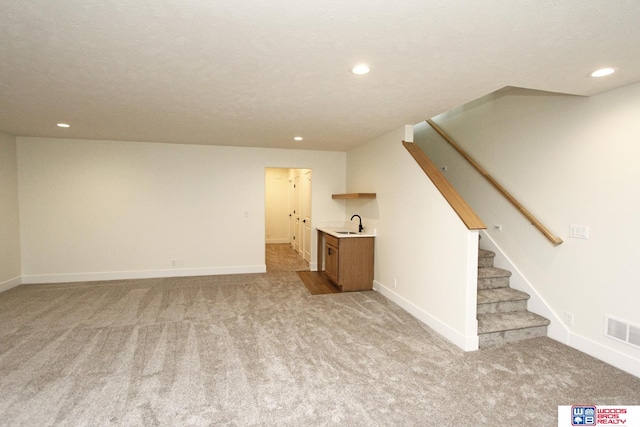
(257, 73)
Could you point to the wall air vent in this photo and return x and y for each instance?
(622, 331)
(634, 335)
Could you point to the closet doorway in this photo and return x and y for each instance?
(288, 209)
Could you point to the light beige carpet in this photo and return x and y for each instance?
(259, 350)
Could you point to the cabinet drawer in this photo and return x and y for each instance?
(333, 241)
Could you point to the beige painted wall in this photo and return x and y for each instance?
(425, 259)
(569, 160)
(104, 209)
(10, 269)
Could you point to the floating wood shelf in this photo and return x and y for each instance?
(354, 196)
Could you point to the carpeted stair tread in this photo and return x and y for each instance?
(489, 296)
(485, 258)
(502, 311)
(492, 278)
(488, 323)
(483, 253)
(491, 272)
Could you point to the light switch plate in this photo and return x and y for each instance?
(579, 231)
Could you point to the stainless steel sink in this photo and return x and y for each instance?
(347, 232)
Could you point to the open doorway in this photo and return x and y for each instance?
(288, 219)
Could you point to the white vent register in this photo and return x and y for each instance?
(622, 331)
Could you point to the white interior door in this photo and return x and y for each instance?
(292, 223)
(306, 215)
(296, 213)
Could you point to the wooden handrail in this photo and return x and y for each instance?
(464, 211)
(553, 239)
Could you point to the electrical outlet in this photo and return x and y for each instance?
(395, 283)
(497, 227)
(174, 263)
(568, 318)
(444, 168)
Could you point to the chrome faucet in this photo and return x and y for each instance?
(360, 227)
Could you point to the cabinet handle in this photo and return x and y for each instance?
(328, 251)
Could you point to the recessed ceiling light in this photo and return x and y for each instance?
(63, 125)
(603, 72)
(360, 69)
(298, 138)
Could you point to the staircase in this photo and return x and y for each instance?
(502, 311)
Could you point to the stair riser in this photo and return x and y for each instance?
(502, 307)
(502, 337)
(485, 262)
(506, 319)
(493, 282)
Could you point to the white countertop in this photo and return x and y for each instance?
(335, 232)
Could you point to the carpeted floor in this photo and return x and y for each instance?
(259, 350)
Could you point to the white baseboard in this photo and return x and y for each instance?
(5, 286)
(466, 343)
(141, 274)
(284, 240)
(606, 354)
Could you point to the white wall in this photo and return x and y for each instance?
(569, 160)
(423, 250)
(9, 214)
(277, 205)
(92, 210)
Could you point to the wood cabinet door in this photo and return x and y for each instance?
(331, 262)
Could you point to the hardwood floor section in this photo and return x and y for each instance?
(317, 282)
(280, 257)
